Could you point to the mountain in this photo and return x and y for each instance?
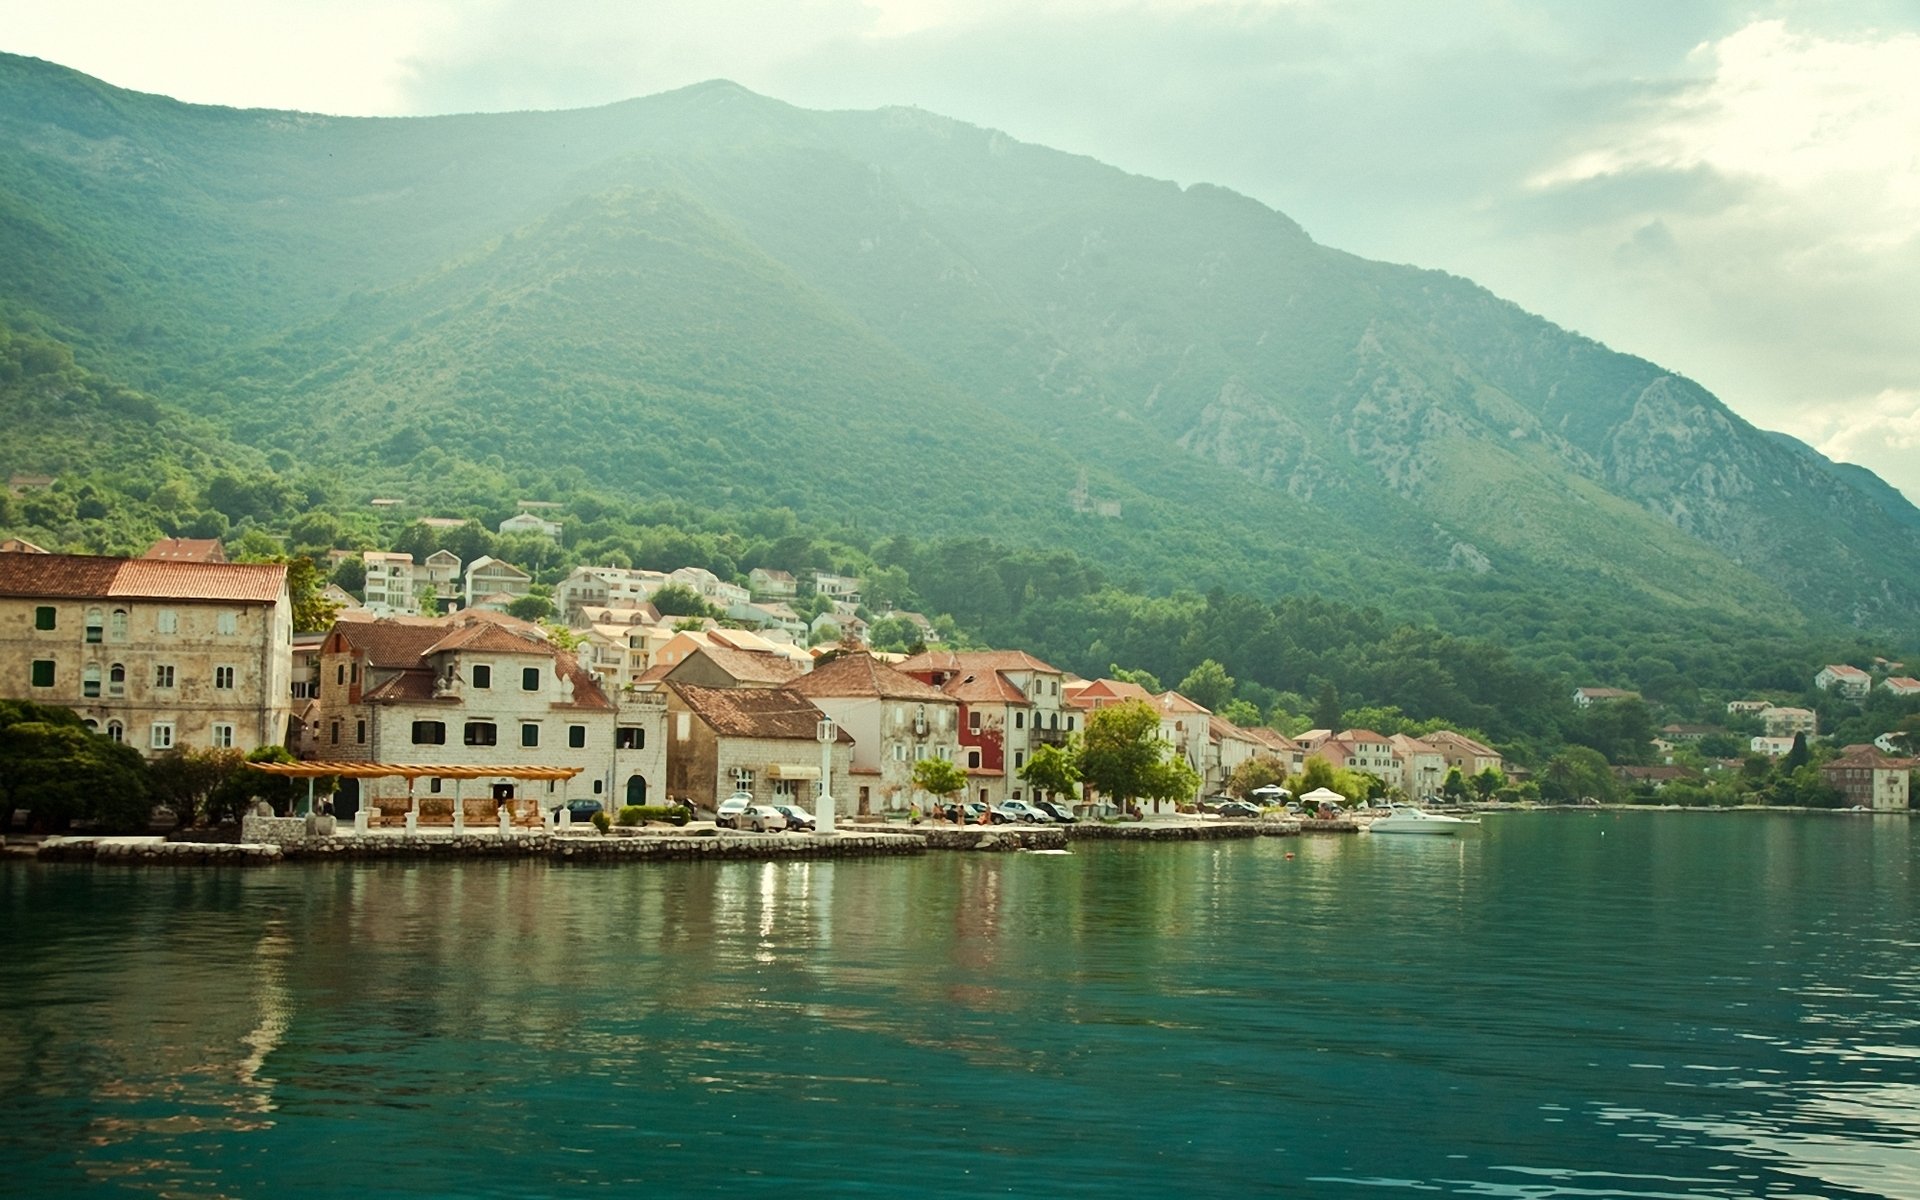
(895, 322)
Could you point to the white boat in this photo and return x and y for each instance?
(1406, 819)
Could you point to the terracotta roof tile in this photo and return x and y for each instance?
(750, 666)
(81, 576)
(188, 550)
(976, 660)
(986, 687)
(753, 712)
(857, 674)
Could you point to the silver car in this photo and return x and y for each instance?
(761, 818)
(727, 815)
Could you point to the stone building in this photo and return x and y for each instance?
(473, 689)
(157, 653)
(895, 720)
(762, 741)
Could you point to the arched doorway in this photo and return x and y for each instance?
(636, 789)
(346, 798)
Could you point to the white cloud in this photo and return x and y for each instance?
(1829, 123)
(1880, 432)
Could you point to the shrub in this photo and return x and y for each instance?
(640, 814)
(602, 822)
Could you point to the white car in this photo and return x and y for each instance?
(727, 816)
(761, 818)
(1020, 810)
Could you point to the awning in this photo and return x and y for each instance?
(791, 771)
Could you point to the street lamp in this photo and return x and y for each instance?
(823, 816)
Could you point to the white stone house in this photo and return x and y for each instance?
(472, 689)
(390, 588)
(1848, 681)
(528, 523)
(489, 577)
(895, 719)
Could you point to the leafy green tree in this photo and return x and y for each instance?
(1244, 713)
(1797, 756)
(1145, 679)
(187, 778)
(939, 777)
(1487, 782)
(1315, 773)
(1122, 754)
(351, 575)
(1053, 770)
(679, 600)
(1455, 785)
(1578, 773)
(530, 608)
(283, 792)
(1327, 712)
(1171, 780)
(1207, 685)
(1261, 771)
(893, 634)
(52, 765)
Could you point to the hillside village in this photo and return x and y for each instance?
(646, 687)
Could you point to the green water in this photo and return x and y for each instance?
(1556, 1005)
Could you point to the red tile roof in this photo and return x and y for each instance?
(1171, 701)
(749, 666)
(753, 712)
(985, 687)
(861, 674)
(83, 576)
(976, 661)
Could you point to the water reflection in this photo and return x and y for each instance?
(1565, 1005)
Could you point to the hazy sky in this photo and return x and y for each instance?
(1731, 190)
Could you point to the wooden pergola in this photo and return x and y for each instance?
(411, 772)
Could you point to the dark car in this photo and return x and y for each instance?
(1058, 812)
(577, 811)
(1236, 808)
(967, 814)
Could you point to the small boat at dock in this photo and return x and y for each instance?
(1407, 819)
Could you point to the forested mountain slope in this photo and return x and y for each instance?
(890, 321)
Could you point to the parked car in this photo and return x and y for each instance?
(1057, 811)
(1238, 809)
(727, 815)
(1272, 793)
(967, 814)
(798, 819)
(1020, 810)
(761, 818)
(578, 811)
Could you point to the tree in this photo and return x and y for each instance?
(939, 777)
(1455, 785)
(1326, 708)
(679, 600)
(186, 779)
(283, 792)
(1487, 782)
(1797, 756)
(1052, 770)
(1124, 758)
(1244, 713)
(1263, 771)
(1207, 685)
(1578, 773)
(54, 766)
(531, 608)
(1145, 679)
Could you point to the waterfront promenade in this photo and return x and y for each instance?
(269, 841)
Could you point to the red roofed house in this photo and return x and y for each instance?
(1010, 702)
(1901, 686)
(895, 719)
(1191, 735)
(152, 652)
(1865, 776)
(473, 689)
(1847, 680)
(762, 741)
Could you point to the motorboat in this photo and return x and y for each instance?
(1407, 819)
